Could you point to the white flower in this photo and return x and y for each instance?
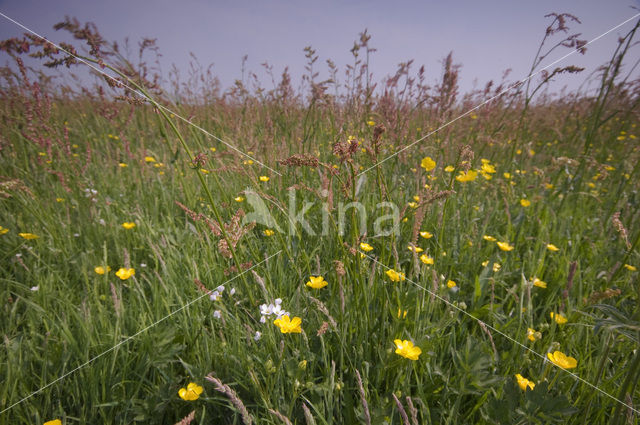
(232, 291)
(215, 296)
(220, 289)
(278, 301)
(143, 265)
(217, 314)
(77, 235)
(276, 309)
(257, 335)
(35, 288)
(263, 319)
(264, 310)
(102, 222)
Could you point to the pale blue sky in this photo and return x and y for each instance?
(486, 37)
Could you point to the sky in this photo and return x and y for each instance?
(486, 37)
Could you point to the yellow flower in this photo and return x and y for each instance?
(523, 383)
(122, 165)
(125, 274)
(287, 325)
(558, 358)
(365, 247)
(128, 225)
(28, 236)
(489, 238)
(427, 163)
(212, 149)
(59, 199)
(469, 176)
(239, 198)
(416, 249)
(525, 202)
(371, 123)
(540, 284)
(247, 162)
(395, 276)
(268, 232)
(407, 350)
(488, 168)
(552, 247)
(532, 334)
(451, 284)
(449, 168)
(102, 270)
(53, 422)
(496, 267)
(505, 246)
(191, 393)
(426, 235)
(559, 318)
(3, 230)
(264, 178)
(149, 159)
(548, 186)
(317, 282)
(413, 204)
(402, 313)
(630, 267)
(426, 259)
(507, 175)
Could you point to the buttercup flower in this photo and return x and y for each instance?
(525, 203)
(552, 247)
(489, 238)
(365, 247)
(630, 267)
(28, 236)
(451, 284)
(426, 259)
(287, 325)
(317, 282)
(428, 164)
(558, 358)
(449, 168)
(505, 246)
(395, 276)
(3, 230)
(102, 270)
(533, 335)
(468, 176)
(268, 232)
(125, 274)
(264, 178)
(239, 198)
(523, 382)
(540, 284)
(128, 225)
(53, 422)
(416, 249)
(559, 318)
(191, 393)
(426, 235)
(149, 159)
(407, 350)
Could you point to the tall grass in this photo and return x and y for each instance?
(79, 162)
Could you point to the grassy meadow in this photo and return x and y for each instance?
(130, 272)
